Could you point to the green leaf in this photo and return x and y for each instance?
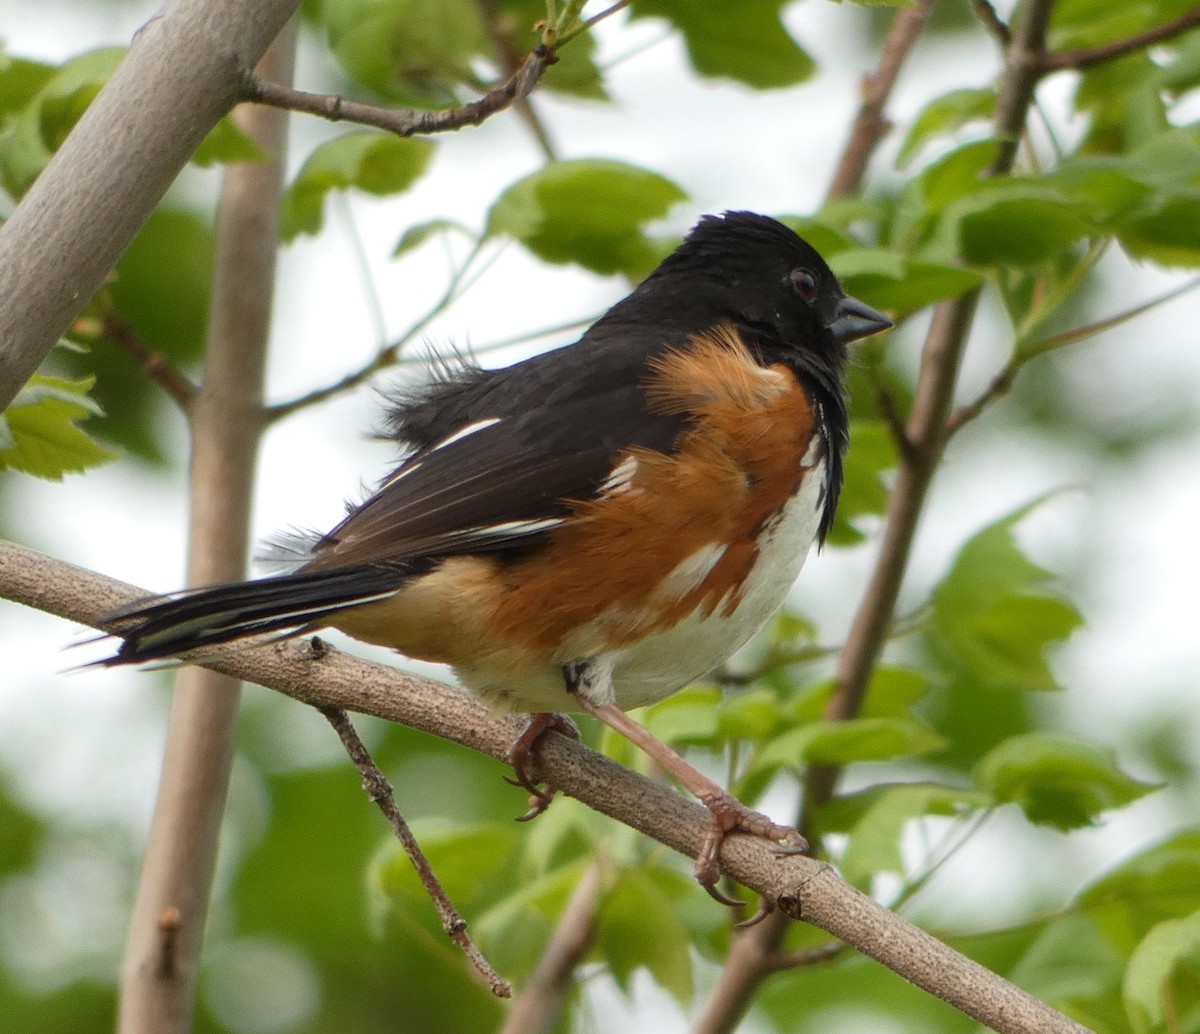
(41, 126)
(899, 284)
(1057, 781)
(20, 81)
(464, 858)
(372, 162)
(893, 692)
(743, 40)
(988, 624)
(1110, 187)
(1170, 949)
(228, 144)
(1017, 223)
(750, 715)
(39, 432)
(515, 927)
(588, 212)
(411, 51)
(689, 716)
(923, 200)
(874, 845)
(1168, 233)
(574, 73)
(161, 291)
(944, 115)
(864, 494)
(840, 743)
(638, 927)
(1161, 882)
(415, 236)
(1069, 966)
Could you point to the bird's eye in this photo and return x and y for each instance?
(805, 283)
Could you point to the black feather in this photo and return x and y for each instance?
(204, 619)
(556, 425)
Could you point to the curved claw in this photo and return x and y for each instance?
(721, 898)
(765, 907)
(539, 801)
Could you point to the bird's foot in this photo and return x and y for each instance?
(520, 756)
(731, 816)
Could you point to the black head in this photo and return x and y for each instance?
(777, 292)
(756, 273)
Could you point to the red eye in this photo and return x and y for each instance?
(805, 283)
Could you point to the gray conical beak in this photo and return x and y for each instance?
(854, 319)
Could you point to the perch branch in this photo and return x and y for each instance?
(803, 888)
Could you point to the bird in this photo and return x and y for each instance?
(593, 528)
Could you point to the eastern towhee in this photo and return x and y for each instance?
(596, 527)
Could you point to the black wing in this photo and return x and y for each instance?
(499, 455)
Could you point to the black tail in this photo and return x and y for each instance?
(196, 619)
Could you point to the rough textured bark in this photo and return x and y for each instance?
(805, 888)
(185, 69)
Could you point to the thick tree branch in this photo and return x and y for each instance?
(802, 887)
(183, 72)
(225, 420)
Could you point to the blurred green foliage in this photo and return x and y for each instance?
(949, 731)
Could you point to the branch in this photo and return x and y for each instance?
(225, 423)
(387, 356)
(154, 364)
(802, 888)
(870, 125)
(379, 790)
(1081, 59)
(990, 20)
(922, 441)
(1003, 381)
(183, 72)
(541, 1001)
(509, 58)
(405, 121)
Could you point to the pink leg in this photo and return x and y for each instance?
(729, 814)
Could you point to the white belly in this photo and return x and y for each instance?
(666, 661)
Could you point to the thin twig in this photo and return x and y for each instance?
(510, 61)
(386, 357)
(1087, 58)
(870, 124)
(780, 960)
(379, 790)
(1002, 383)
(154, 364)
(405, 121)
(585, 25)
(990, 20)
